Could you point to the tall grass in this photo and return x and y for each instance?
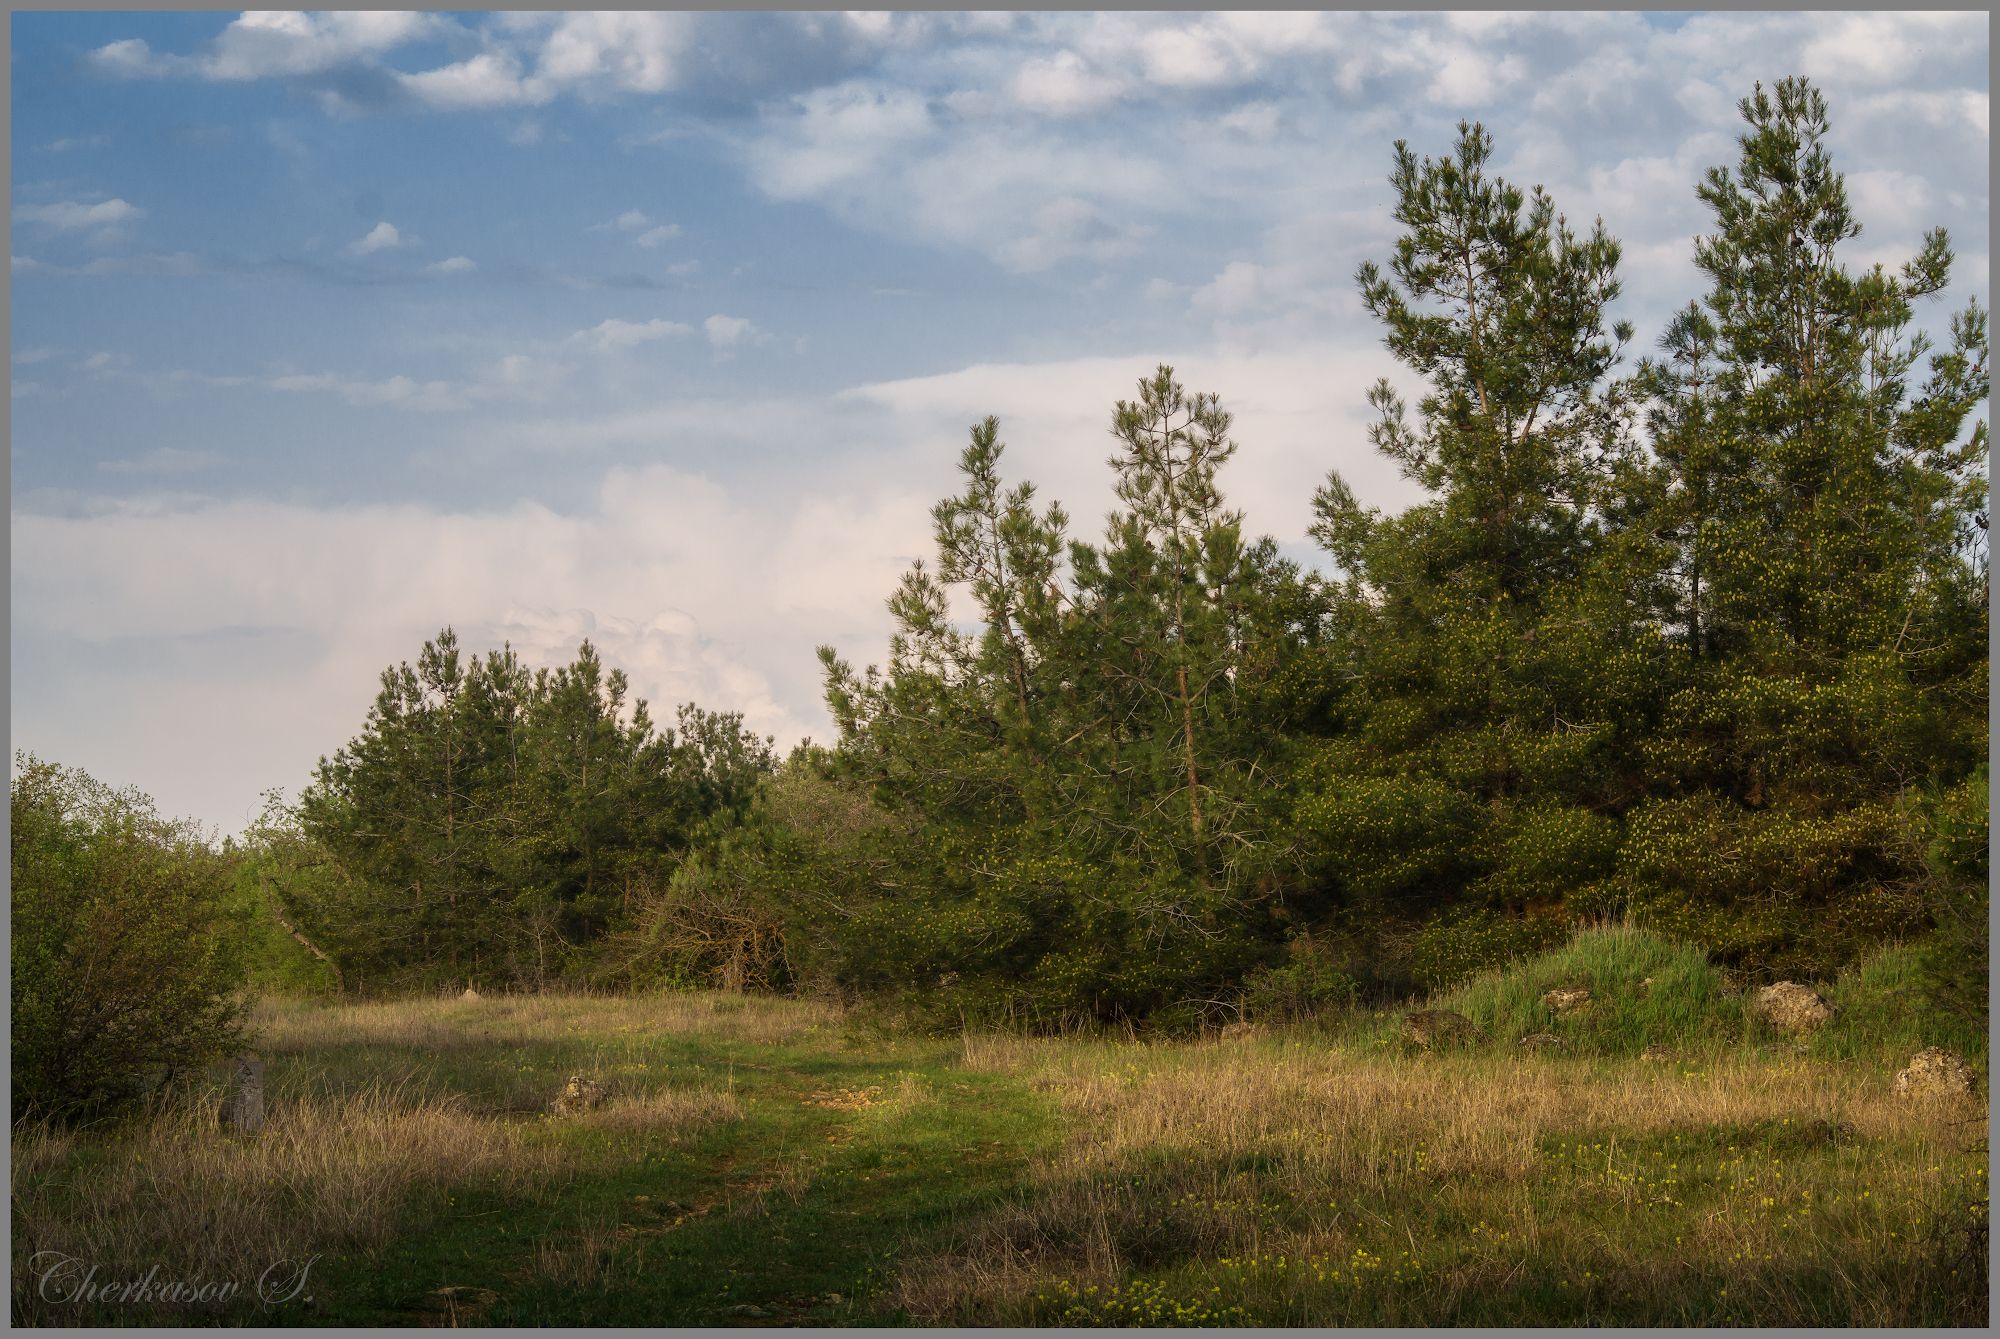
(1280, 1182)
(174, 1191)
(1644, 991)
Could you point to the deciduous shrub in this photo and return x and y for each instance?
(126, 961)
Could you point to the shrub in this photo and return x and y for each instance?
(126, 960)
(1313, 979)
(1686, 1002)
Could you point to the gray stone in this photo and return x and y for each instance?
(1432, 1028)
(1934, 1072)
(578, 1094)
(1792, 1008)
(243, 1111)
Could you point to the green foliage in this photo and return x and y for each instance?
(1084, 792)
(1886, 1010)
(126, 958)
(1828, 571)
(1463, 942)
(1686, 1004)
(1702, 643)
(1315, 978)
(1952, 826)
(497, 826)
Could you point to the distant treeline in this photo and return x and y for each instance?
(1698, 640)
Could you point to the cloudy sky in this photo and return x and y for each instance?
(665, 330)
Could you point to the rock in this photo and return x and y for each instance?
(1566, 998)
(470, 995)
(1934, 1072)
(243, 1110)
(579, 1094)
(1540, 1041)
(1431, 1028)
(1792, 1008)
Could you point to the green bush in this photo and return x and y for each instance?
(1456, 945)
(1686, 1003)
(1886, 1008)
(126, 959)
(1313, 979)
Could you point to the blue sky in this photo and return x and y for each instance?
(329, 329)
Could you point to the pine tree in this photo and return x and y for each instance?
(1827, 516)
(1495, 648)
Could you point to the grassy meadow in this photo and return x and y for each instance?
(762, 1162)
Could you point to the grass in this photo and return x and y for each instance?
(770, 1162)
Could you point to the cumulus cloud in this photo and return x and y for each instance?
(382, 237)
(725, 332)
(696, 595)
(1063, 84)
(617, 334)
(489, 79)
(69, 215)
(265, 44)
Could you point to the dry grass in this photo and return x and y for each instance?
(1292, 1184)
(363, 1140)
(668, 1110)
(438, 1024)
(175, 1191)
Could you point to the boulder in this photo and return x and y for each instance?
(579, 1094)
(243, 1109)
(1540, 1041)
(1934, 1072)
(1792, 1008)
(1429, 1029)
(1565, 998)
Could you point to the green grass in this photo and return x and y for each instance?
(765, 1162)
(1684, 1006)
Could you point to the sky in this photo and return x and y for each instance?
(665, 330)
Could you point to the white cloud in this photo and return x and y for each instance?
(397, 392)
(69, 215)
(666, 232)
(296, 641)
(726, 332)
(264, 44)
(1063, 85)
(489, 79)
(453, 265)
(382, 237)
(617, 334)
(617, 51)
